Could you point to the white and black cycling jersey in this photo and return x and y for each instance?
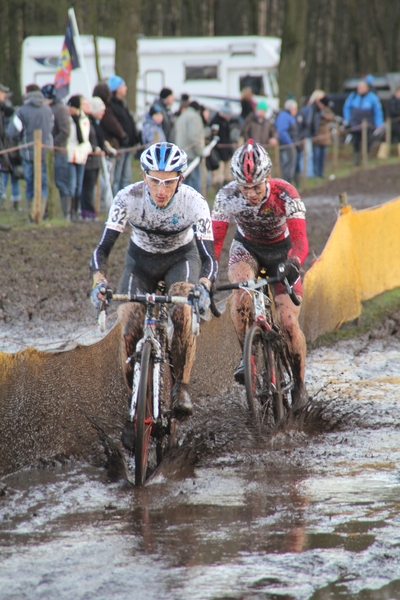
(160, 229)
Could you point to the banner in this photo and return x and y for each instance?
(68, 60)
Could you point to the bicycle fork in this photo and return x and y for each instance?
(157, 358)
(266, 327)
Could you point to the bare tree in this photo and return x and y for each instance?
(291, 68)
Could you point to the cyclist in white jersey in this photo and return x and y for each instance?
(171, 240)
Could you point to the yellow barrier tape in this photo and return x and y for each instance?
(359, 261)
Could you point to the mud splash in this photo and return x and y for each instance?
(311, 513)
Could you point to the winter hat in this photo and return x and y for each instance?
(96, 104)
(165, 92)
(370, 79)
(114, 82)
(49, 91)
(226, 108)
(194, 104)
(156, 108)
(262, 105)
(4, 88)
(75, 101)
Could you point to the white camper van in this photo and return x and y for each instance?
(209, 69)
(40, 56)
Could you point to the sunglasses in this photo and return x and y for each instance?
(169, 184)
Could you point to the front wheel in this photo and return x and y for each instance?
(261, 376)
(144, 415)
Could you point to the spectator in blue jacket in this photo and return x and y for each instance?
(288, 130)
(362, 104)
(152, 131)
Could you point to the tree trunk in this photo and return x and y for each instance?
(126, 62)
(291, 66)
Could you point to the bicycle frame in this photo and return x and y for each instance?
(152, 324)
(262, 308)
(150, 334)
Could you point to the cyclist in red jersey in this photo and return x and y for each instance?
(271, 229)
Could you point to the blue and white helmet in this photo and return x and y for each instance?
(163, 157)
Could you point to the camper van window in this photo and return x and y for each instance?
(273, 83)
(201, 72)
(235, 49)
(255, 82)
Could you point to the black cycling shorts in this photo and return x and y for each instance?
(143, 270)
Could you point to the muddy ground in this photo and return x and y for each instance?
(310, 511)
(45, 275)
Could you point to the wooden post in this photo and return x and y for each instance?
(343, 199)
(37, 165)
(364, 143)
(277, 161)
(304, 178)
(335, 136)
(51, 186)
(97, 194)
(388, 135)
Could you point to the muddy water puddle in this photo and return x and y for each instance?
(308, 517)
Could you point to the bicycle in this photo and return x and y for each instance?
(150, 405)
(268, 371)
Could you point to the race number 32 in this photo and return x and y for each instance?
(204, 228)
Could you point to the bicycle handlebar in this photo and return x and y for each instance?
(153, 298)
(254, 284)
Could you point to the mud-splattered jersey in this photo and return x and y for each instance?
(280, 215)
(159, 230)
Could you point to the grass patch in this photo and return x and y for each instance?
(374, 313)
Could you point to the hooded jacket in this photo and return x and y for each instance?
(150, 129)
(34, 114)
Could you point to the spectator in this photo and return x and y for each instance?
(289, 133)
(152, 131)
(258, 127)
(303, 119)
(362, 104)
(78, 150)
(320, 117)
(190, 138)
(184, 103)
(247, 103)
(95, 111)
(34, 114)
(394, 114)
(222, 175)
(5, 162)
(61, 131)
(165, 102)
(123, 168)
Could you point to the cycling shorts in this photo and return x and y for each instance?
(143, 270)
(259, 256)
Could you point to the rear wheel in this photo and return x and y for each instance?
(260, 376)
(144, 415)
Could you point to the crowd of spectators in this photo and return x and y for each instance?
(98, 135)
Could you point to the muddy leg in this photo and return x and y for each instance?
(131, 316)
(241, 303)
(183, 349)
(289, 319)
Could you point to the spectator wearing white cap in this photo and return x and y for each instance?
(123, 168)
(95, 111)
(225, 146)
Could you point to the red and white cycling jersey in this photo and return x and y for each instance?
(280, 215)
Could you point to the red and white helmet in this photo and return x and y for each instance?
(250, 163)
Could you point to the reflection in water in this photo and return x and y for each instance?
(252, 527)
